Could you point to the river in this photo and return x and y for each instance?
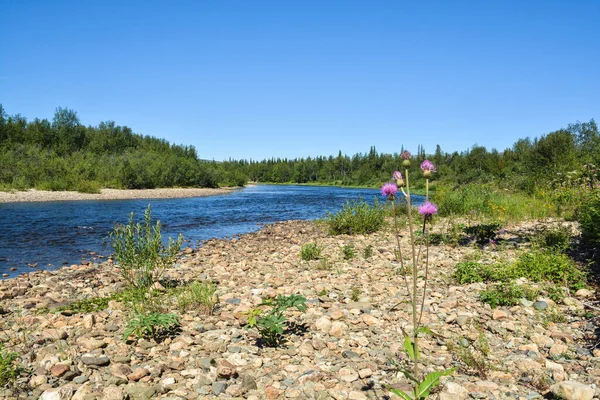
(53, 234)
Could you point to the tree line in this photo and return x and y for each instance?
(63, 154)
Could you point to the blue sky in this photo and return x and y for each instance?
(260, 79)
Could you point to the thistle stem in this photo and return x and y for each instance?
(414, 271)
(396, 233)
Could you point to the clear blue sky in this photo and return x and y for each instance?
(283, 78)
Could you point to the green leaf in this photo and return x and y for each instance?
(400, 393)
(430, 381)
(410, 376)
(425, 329)
(409, 346)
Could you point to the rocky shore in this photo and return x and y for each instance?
(349, 349)
(33, 195)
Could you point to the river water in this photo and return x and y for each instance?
(53, 234)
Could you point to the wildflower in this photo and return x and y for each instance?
(406, 156)
(427, 209)
(398, 178)
(389, 190)
(427, 167)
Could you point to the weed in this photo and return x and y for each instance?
(310, 251)
(506, 294)
(349, 252)
(355, 293)
(589, 217)
(483, 233)
(197, 295)
(140, 251)
(356, 218)
(368, 252)
(150, 325)
(544, 265)
(9, 369)
(271, 325)
(554, 316)
(323, 265)
(556, 238)
(473, 354)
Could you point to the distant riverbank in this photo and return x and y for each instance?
(33, 195)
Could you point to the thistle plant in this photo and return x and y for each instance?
(421, 384)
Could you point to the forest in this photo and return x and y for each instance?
(63, 154)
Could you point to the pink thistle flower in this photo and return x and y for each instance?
(397, 176)
(427, 209)
(389, 190)
(427, 166)
(405, 155)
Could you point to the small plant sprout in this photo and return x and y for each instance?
(422, 385)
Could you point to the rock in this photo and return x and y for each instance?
(584, 293)
(540, 305)
(113, 393)
(59, 370)
(38, 380)
(225, 369)
(138, 374)
(323, 324)
(365, 373)
(572, 390)
(139, 391)
(348, 374)
(248, 382)
(88, 321)
(61, 393)
(90, 359)
(558, 349)
(338, 329)
(218, 387)
(120, 370)
(499, 314)
(454, 391)
(525, 303)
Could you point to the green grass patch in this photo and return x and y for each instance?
(310, 251)
(356, 218)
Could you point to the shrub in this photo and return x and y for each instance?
(140, 251)
(589, 218)
(9, 370)
(356, 218)
(483, 233)
(271, 325)
(506, 294)
(471, 272)
(197, 294)
(150, 325)
(355, 293)
(310, 251)
(473, 354)
(368, 252)
(349, 252)
(555, 238)
(544, 265)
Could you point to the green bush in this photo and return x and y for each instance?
(471, 272)
(589, 218)
(554, 238)
(548, 266)
(150, 325)
(368, 252)
(140, 251)
(349, 252)
(483, 233)
(271, 325)
(310, 251)
(9, 370)
(356, 218)
(506, 294)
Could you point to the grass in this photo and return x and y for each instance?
(197, 295)
(489, 201)
(9, 369)
(356, 218)
(310, 251)
(506, 294)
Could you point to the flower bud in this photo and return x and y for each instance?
(406, 163)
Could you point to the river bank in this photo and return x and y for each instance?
(352, 328)
(33, 195)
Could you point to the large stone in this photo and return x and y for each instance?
(90, 359)
(61, 393)
(323, 324)
(572, 390)
(139, 391)
(338, 329)
(348, 375)
(113, 393)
